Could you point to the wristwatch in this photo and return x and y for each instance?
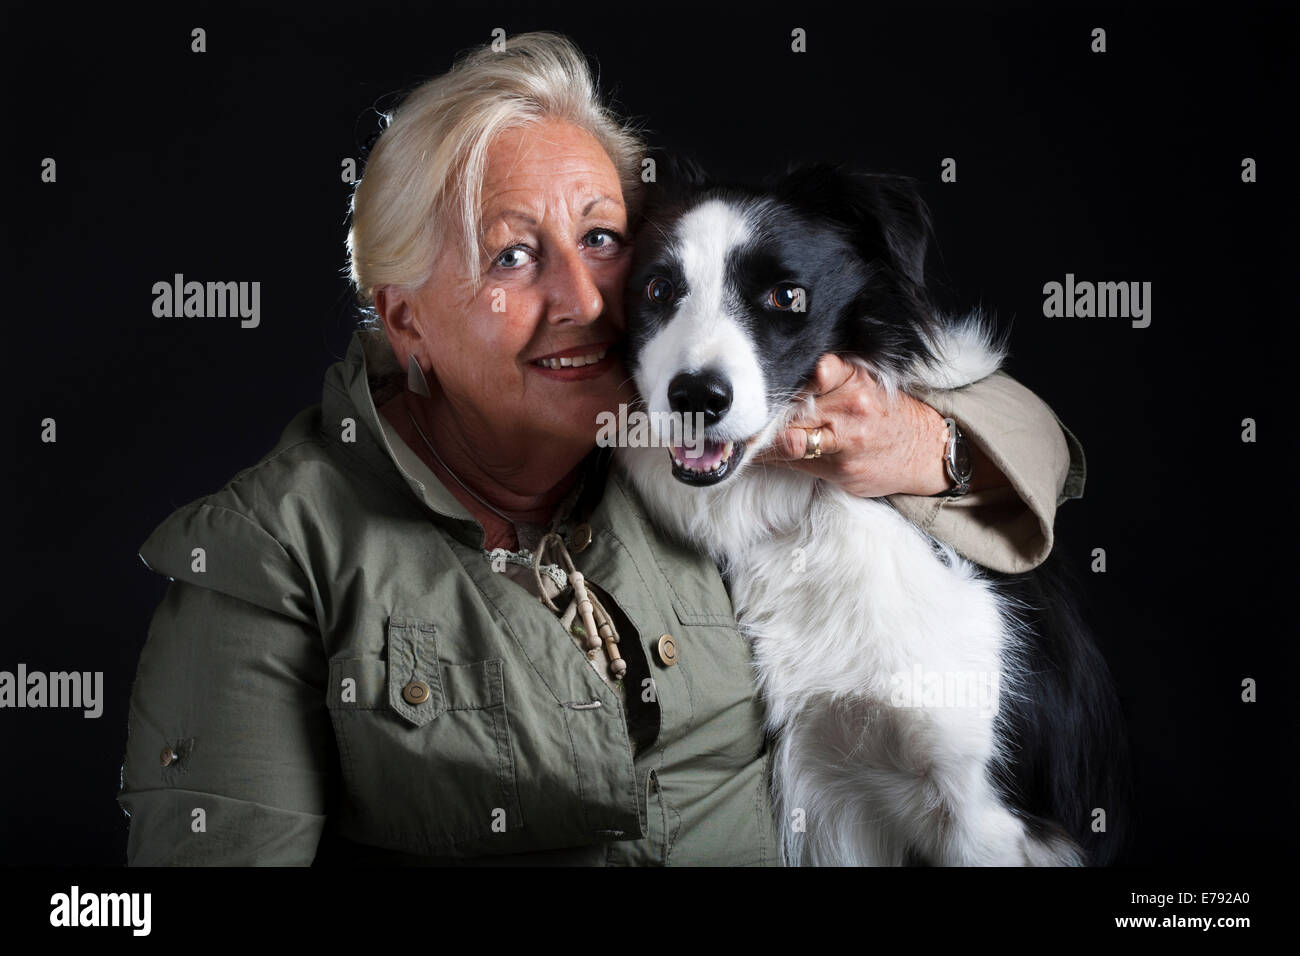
(957, 462)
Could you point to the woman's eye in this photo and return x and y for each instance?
(513, 258)
(786, 296)
(602, 239)
(659, 290)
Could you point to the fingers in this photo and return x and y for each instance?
(832, 373)
(793, 443)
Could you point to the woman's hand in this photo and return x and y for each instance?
(870, 447)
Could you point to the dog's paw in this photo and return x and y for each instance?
(1054, 849)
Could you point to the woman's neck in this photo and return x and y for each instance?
(525, 483)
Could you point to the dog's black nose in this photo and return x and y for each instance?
(706, 392)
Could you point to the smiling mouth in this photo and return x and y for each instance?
(573, 361)
(712, 465)
(585, 364)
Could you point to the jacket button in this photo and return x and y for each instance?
(416, 692)
(581, 538)
(168, 757)
(667, 649)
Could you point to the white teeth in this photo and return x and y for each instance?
(576, 361)
(727, 449)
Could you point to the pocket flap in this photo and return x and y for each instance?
(414, 675)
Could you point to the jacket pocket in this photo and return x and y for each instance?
(425, 748)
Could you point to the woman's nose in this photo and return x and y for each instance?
(574, 295)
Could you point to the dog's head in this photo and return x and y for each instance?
(736, 292)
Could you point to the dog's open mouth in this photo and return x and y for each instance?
(706, 466)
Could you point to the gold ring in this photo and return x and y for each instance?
(815, 443)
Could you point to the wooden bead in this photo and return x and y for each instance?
(589, 625)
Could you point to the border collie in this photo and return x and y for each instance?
(923, 710)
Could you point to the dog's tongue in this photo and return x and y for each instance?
(704, 458)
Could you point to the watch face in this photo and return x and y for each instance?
(961, 456)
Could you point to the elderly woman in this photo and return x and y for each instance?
(356, 658)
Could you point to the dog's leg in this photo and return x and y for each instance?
(850, 789)
(823, 814)
(955, 815)
(861, 783)
(978, 829)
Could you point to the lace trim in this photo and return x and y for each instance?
(524, 557)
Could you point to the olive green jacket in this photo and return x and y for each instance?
(275, 716)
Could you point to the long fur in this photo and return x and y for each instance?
(849, 608)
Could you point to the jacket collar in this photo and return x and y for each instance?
(349, 392)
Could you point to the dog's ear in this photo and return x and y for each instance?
(668, 179)
(886, 222)
(884, 214)
(675, 175)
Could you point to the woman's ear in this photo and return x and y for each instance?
(394, 308)
(883, 214)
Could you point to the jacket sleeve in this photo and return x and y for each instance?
(227, 717)
(229, 744)
(1009, 528)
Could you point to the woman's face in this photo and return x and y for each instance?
(555, 260)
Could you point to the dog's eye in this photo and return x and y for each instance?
(787, 295)
(659, 291)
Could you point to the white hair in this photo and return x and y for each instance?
(422, 183)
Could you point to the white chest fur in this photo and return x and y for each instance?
(881, 657)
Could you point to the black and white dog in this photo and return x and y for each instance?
(1016, 756)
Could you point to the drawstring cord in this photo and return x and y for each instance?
(597, 624)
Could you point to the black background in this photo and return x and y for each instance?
(1122, 166)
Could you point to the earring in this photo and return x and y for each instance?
(415, 379)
